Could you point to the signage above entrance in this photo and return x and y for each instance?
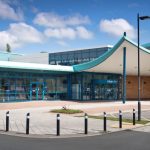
(96, 81)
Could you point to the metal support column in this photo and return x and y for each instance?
(124, 75)
(139, 79)
(81, 87)
(30, 92)
(69, 87)
(43, 91)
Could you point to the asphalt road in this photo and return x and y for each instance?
(124, 140)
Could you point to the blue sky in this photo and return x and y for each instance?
(54, 25)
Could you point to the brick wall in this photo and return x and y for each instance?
(132, 87)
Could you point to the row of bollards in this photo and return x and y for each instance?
(120, 119)
(58, 122)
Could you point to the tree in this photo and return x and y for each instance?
(8, 48)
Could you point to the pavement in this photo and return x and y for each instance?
(91, 107)
(43, 122)
(124, 140)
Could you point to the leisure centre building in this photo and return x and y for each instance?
(103, 73)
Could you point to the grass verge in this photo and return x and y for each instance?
(143, 122)
(67, 111)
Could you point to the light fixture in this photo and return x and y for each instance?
(144, 17)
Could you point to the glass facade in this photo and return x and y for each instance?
(76, 57)
(96, 86)
(21, 86)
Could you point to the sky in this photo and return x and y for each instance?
(32, 26)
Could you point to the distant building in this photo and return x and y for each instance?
(40, 58)
(73, 57)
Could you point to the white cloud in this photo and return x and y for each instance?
(84, 33)
(8, 12)
(69, 33)
(6, 37)
(61, 33)
(19, 34)
(25, 32)
(77, 20)
(64, 27)
(57, 21)
(117, 27)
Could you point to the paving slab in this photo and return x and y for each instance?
(43, 122)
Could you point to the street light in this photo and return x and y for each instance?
(144, 17)
(138, 24)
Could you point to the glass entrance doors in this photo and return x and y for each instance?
(105, 89)
(37, 91)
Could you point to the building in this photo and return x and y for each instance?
(104, 73)
(74, 57)
(39, 58)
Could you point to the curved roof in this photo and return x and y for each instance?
(34, 66)
(147, 45)
(109, 61)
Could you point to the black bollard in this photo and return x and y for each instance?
(58, 125)
(139, 111)
(105, 124)
(27, 123)
(133, 116)
(120, 119)
(7, 121)
(86, 124)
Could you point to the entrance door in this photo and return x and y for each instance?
(105, 89)
(100, 91)
(37, 91)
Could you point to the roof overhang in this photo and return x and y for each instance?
(112, 61)
(34, 66)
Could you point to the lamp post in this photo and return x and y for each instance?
(138, 24)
